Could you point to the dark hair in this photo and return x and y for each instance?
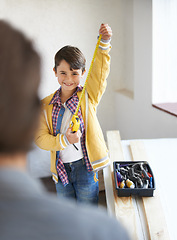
(71, 55)
(19, 81)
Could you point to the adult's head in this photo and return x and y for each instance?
(19, 81)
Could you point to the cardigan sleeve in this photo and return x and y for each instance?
(96, 84)
(44, 136)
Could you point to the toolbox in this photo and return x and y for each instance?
(133, 178)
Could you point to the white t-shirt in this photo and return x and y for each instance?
(70, 153)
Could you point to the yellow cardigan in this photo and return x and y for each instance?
(95, 144)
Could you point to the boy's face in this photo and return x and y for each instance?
(67, 78)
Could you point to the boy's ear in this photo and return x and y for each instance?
(55, 72)
(83, 72)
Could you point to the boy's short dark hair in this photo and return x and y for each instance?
(71, 55)
(19, 81)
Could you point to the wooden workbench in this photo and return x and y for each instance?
(162, 156)
(145, 218)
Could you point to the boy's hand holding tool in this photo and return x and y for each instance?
(73, 137)
(105, 31)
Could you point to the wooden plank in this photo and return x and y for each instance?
(152, 205)
(101, 181)
(123, 207)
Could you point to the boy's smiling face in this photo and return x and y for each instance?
(68, 78)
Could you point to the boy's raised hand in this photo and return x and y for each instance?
(106, 31)
(73, 137)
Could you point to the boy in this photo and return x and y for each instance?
(27, 210)
(76, 157)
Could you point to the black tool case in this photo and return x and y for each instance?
(146, 190)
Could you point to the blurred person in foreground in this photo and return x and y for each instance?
(27, 211)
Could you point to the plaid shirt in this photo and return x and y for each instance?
(71, 104)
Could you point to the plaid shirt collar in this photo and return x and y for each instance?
(57, 100)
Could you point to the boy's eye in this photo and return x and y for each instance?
(63, 73)
(75, 73)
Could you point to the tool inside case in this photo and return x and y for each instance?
(134, 178)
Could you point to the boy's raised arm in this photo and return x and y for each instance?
(97, 82)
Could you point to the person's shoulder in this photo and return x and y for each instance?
(85, 220)
(102, 225)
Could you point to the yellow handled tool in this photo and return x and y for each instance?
(75, 122)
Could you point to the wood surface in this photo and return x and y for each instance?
(156, 223)
(101, 181)
(123, 206)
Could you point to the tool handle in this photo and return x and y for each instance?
(75, 123)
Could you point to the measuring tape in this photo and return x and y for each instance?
(75, 122)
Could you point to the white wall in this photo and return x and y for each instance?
(136, 118)
(53, 24)
(165, 51)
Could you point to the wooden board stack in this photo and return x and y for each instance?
(124, 207)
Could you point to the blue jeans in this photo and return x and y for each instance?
(83, 185)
